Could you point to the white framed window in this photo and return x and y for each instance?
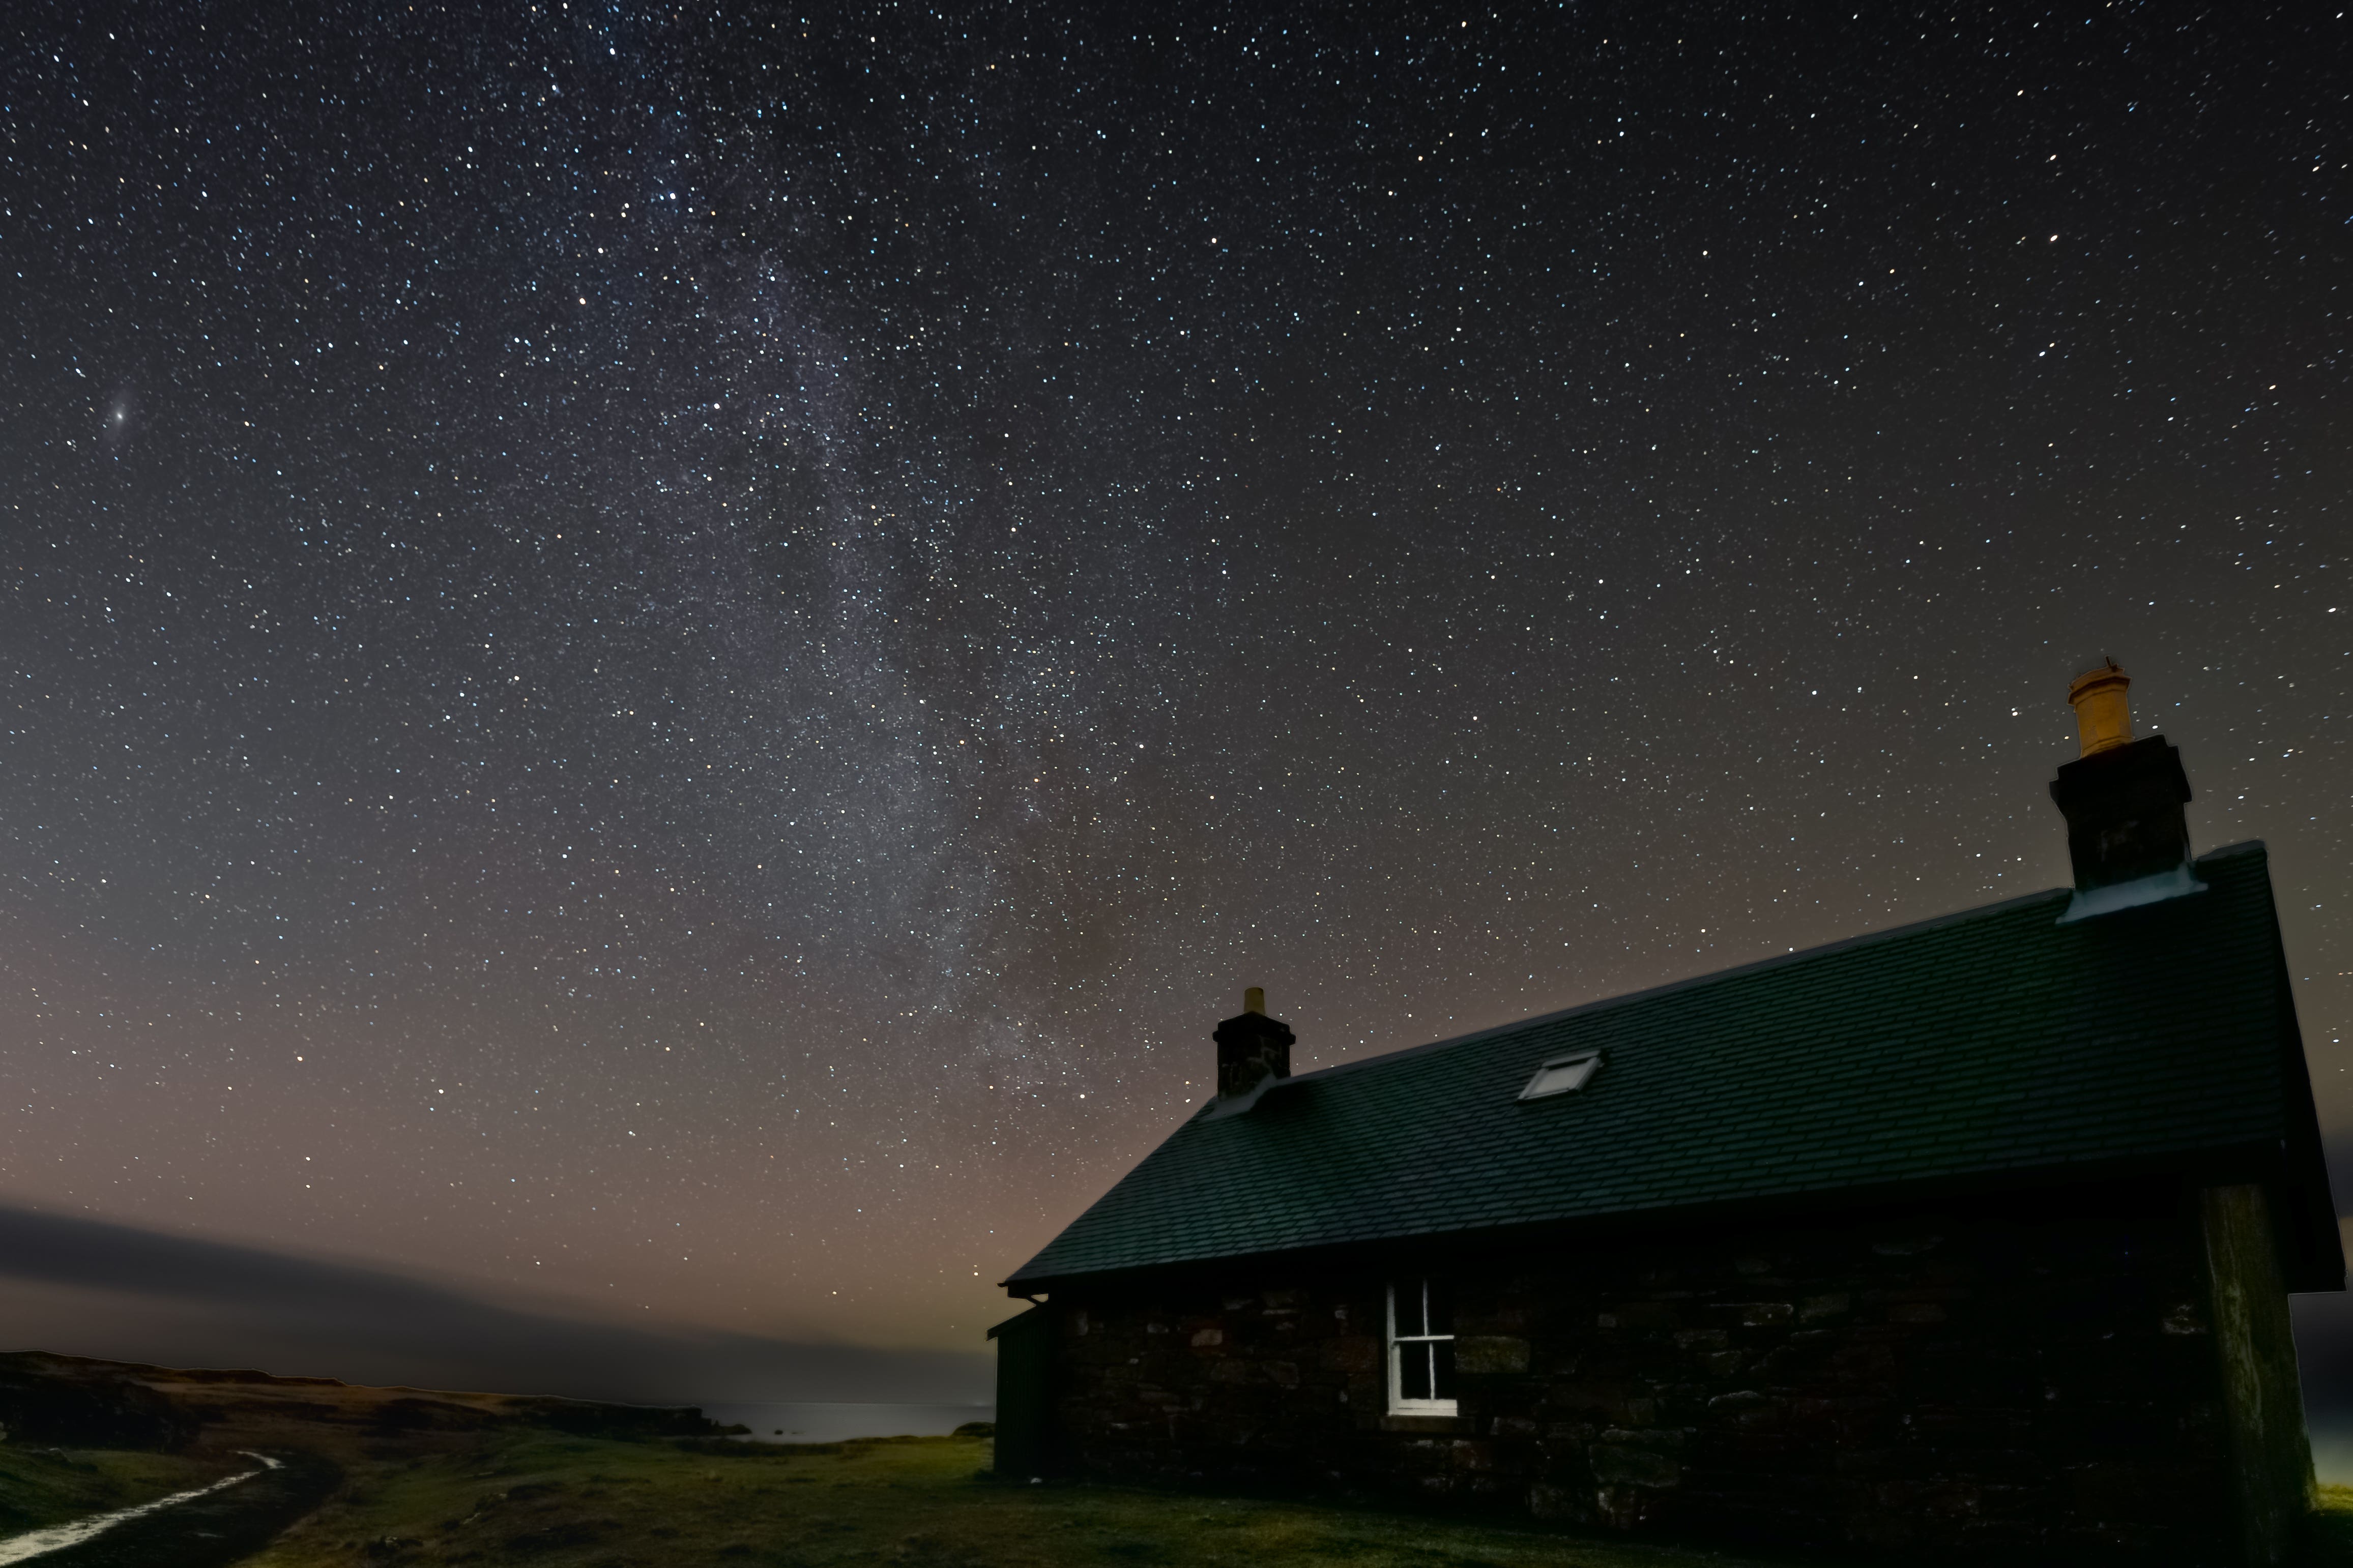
(1563, 1075)
(1421, 1349)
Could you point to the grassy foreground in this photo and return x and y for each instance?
(544, 1499)
(539, 1497)
(40, 1487)
(2332, 1535)
(411, 1477)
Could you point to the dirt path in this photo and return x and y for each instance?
(210, 1529)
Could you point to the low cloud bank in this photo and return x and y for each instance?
(85, 1287)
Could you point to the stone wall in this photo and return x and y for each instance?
(2029, 1380)
(2263, 1405)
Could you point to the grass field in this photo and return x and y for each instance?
(540, 1499)
(426, 1479)
(543, 1499)
(2332, 1535)
(41, 1486)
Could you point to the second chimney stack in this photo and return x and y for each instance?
(1251, 1047)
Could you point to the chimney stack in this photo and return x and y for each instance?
(2127, 833)
(1252, 1049)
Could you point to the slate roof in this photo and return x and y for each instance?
(1992, 1042)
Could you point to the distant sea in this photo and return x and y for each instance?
(820, 1423)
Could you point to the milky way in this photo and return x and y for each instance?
(676, 661)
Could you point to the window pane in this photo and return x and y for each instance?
(1441, 1309)
(1442, 1359)
(1408, 1309)
(1413, 1371)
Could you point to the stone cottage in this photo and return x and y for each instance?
(1970, 1240)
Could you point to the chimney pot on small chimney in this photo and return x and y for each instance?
(2127, 833)
(2102, 718)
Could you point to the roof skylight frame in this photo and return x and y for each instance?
(1567, 1073)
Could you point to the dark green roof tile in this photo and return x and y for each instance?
(1994, 1040)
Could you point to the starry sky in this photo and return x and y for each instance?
(663, 664)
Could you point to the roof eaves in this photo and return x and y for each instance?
(1837, 1195)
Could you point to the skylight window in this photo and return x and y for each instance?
(1563, 1075)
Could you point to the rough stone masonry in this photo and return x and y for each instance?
(2015, 1377)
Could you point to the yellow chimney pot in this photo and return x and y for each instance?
(2102, 718)
(1254, 1000)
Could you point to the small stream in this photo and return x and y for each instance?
(58, 1537)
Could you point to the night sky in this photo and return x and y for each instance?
(663, 666)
